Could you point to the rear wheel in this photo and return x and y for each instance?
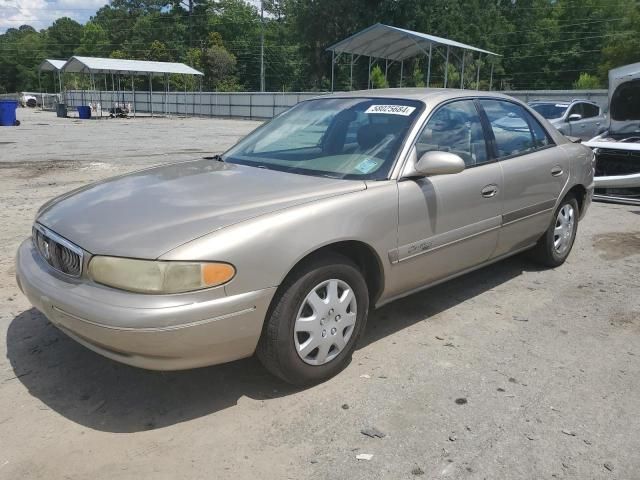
(554, 246)
(315, 321)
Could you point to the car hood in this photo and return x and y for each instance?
(624, 100)
(147, 213)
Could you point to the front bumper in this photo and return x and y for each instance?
(158, 332)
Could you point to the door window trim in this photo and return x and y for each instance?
(489, 132)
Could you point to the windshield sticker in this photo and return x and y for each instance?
(391, 109)
(367, 165)
(562, 105)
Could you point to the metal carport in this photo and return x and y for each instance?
(116, 67)
(395, 44)
(51, 65)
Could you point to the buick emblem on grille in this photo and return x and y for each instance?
(58, 252)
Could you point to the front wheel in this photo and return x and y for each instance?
(554, 246)
(314, 323)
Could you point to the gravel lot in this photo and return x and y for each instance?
(511, 372)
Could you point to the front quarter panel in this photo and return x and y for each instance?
(266, 248)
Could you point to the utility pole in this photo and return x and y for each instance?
(190, 23)
(261, 46)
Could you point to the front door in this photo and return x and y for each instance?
(589, 124)
(448, 223)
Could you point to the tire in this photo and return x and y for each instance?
(554, 246)
(292, 310)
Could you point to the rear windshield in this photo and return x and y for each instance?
(625, 101)
(550, 110)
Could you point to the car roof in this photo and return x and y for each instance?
(420, 94)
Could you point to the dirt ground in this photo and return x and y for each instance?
(511, 372)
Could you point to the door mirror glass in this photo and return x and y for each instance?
(439, 163)
(574, 117)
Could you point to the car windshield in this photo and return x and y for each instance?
(351, 138)
(550, 110)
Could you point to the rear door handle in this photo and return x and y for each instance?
(556, 171)
(489, 191)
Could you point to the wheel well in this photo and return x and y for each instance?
(364, 257)
(580, 193)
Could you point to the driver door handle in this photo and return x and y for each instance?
(489, 191)
(556, 171)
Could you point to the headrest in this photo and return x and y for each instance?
(370, 135)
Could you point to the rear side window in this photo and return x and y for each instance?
(590, 110)
(511, 128)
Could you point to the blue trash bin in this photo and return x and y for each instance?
(84, 112)
(8, 113)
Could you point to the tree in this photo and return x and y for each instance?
(94, 41)
(417, 76)
(63, 37)
(158, 52)
(586, 82)
(377, 78)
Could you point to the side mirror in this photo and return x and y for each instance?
(439, 163)
(574, 117)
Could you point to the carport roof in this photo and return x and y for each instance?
(132, 67)
(50, 65)
(393, 43)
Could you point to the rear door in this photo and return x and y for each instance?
(588, 125)
(534, 171)
(448, 223)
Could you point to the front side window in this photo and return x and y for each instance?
(510, 125)
(456, 128)
(353, 138)
(577, 109)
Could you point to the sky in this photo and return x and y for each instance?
(42, 13)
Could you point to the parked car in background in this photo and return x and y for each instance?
(574, 118)
(618, 149)
(28, 100)
(281, 245)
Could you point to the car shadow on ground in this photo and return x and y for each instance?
(101, 394)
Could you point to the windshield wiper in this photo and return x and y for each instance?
(217, 157)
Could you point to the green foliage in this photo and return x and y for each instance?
(417, 76)
(94, 41)
(377, 78)
(543, 43)
(586, 82)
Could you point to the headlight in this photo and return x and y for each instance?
(148, 276)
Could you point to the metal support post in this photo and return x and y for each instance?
(446, 68)
(151, 94)
(351, 74)
(333, 62)
(462, 72)
(429, 65)
(491, 78)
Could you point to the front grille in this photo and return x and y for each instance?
(57, 252)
